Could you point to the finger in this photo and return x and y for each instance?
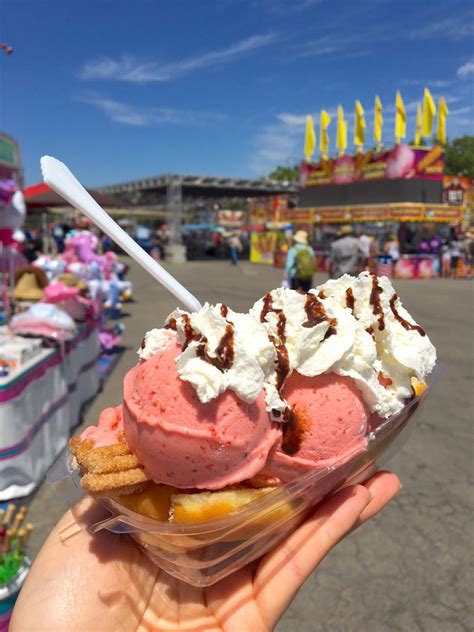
(384, 486)
(283, 571)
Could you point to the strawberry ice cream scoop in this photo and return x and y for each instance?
(328, 423)
(185, 443)
(108, 428)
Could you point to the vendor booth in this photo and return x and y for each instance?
(270, 231)
(53, 310)
(40, 403)
(410, 221)
(397, 192)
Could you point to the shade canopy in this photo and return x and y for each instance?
(41, 196)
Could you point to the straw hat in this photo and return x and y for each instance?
(27, 288)
(346, 230)
(72, 281)
(301, 237)
(40, 275)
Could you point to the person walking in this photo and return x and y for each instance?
(346, 254)
(468, 246)
(392, 248)
(235, 246)
(445, 260)
(456, 251)
(300, 263)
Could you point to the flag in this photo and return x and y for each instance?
(359, 125)
(310, 138)
(341, 135)
(442, 114)
(429, 111)
(324, 121)
(419, 124)
(400, 118)
(378, 121)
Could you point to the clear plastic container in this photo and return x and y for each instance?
(203, 553)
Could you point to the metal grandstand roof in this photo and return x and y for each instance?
(263, 185)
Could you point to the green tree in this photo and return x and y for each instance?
(460, 157)
(288, 174)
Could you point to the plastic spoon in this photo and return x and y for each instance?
(57, 176)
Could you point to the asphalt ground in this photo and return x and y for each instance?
(411, 568)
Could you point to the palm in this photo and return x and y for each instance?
(105, 582)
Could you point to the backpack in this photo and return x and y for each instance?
(305, 266)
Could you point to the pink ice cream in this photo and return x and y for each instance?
(329, 424)
(109, 427)
(185, 443)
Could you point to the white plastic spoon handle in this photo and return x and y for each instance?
(57, 176)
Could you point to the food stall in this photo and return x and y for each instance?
(397, 191)
(270, 231)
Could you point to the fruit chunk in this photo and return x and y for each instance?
(153, 502)
(192, 508)
(417, 386)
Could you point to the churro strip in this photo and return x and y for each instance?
(80, 448)
(108, 470)
(98, 464)
(111, 458)
(114, 482)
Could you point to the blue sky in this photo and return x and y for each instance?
(122, 90)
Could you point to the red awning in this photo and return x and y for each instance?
(41, 196)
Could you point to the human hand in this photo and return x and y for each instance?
(82, 582)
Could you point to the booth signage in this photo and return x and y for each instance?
(402, 161)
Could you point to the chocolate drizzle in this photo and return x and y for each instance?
(224, 351)
(316, 314)
(314, 311)
(293, 431)
(190, 334)
(375, 301)
(350, 299)
(171, 324)
(331, 329)
(268, 307)
(282, 361)
(224, 310)
(281, 327)
(404, 323)
(225, 348)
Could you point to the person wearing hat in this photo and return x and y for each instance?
(300, 263)
(346, 254)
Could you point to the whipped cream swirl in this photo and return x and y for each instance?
(352, 326)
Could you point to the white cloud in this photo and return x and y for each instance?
(129, 69)
(276, 144)
(466, 69)
(128, 114)
(434, 83)
(297, 120)
(352, 45)
(456, 27)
